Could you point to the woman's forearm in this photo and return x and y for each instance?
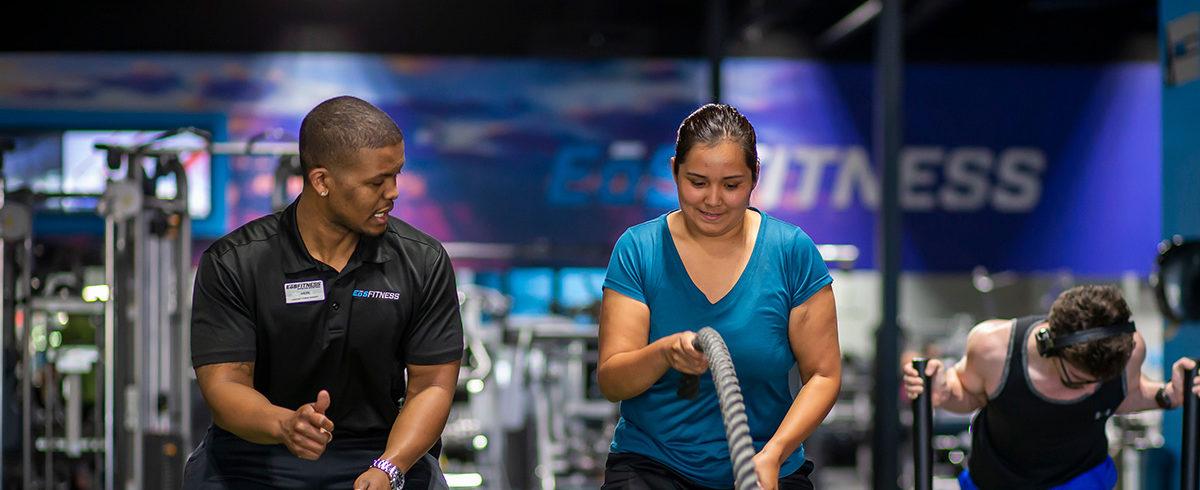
(808, 410)
(626, 375)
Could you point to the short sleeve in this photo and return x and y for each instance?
(222, 324)
(625, 270)
(436, 336)
(809, 273)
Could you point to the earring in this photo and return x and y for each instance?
(324, 193)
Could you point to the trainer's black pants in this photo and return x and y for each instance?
(224, 461)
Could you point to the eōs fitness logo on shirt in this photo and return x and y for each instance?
(388, 295)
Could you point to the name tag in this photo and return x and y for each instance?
(304, 292)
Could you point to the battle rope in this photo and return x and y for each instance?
(733, 409)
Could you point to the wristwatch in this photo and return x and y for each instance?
(393, 473)
(1161, 398)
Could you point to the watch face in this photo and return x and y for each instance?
(1162, 399)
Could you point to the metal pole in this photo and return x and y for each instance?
(73, 397)
(716, 45)
(888, 137)
(112, 233)
(183, 310)
(1191, 417)
(49, 388)
(5, 326)
(27, 357)
(100, 427)
(134, 385)
(922, 410)
(6, 144)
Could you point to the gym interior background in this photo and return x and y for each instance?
(1041, 144)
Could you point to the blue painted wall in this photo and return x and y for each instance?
(1180, 216)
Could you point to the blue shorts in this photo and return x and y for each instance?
(1102, 477)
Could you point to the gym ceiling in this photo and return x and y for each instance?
(1037, 31)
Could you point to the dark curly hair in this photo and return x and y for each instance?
(1091, 306)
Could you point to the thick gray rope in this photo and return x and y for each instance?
(733, 409)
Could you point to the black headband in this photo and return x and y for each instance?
(1051, 345)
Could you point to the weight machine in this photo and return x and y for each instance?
(140, 428)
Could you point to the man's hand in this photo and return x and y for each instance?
(914, 385)
(767, 468)
(373, 479)
(1179, 370)
(308, 430)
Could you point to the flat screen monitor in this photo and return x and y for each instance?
(532, 290)
(580, 287)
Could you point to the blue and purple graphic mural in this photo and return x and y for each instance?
(1018, 168)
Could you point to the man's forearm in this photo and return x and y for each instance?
(1142, 396)
(418, 426)
(246, 413)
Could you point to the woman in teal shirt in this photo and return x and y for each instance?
(757, 280)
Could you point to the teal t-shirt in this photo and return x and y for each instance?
(784, 270)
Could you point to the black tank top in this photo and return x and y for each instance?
(1023, 440)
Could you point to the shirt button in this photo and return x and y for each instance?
(335, 306)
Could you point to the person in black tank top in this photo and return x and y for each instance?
(1044, 388)
(1023, 439)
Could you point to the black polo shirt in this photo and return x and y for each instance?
(260, 297)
